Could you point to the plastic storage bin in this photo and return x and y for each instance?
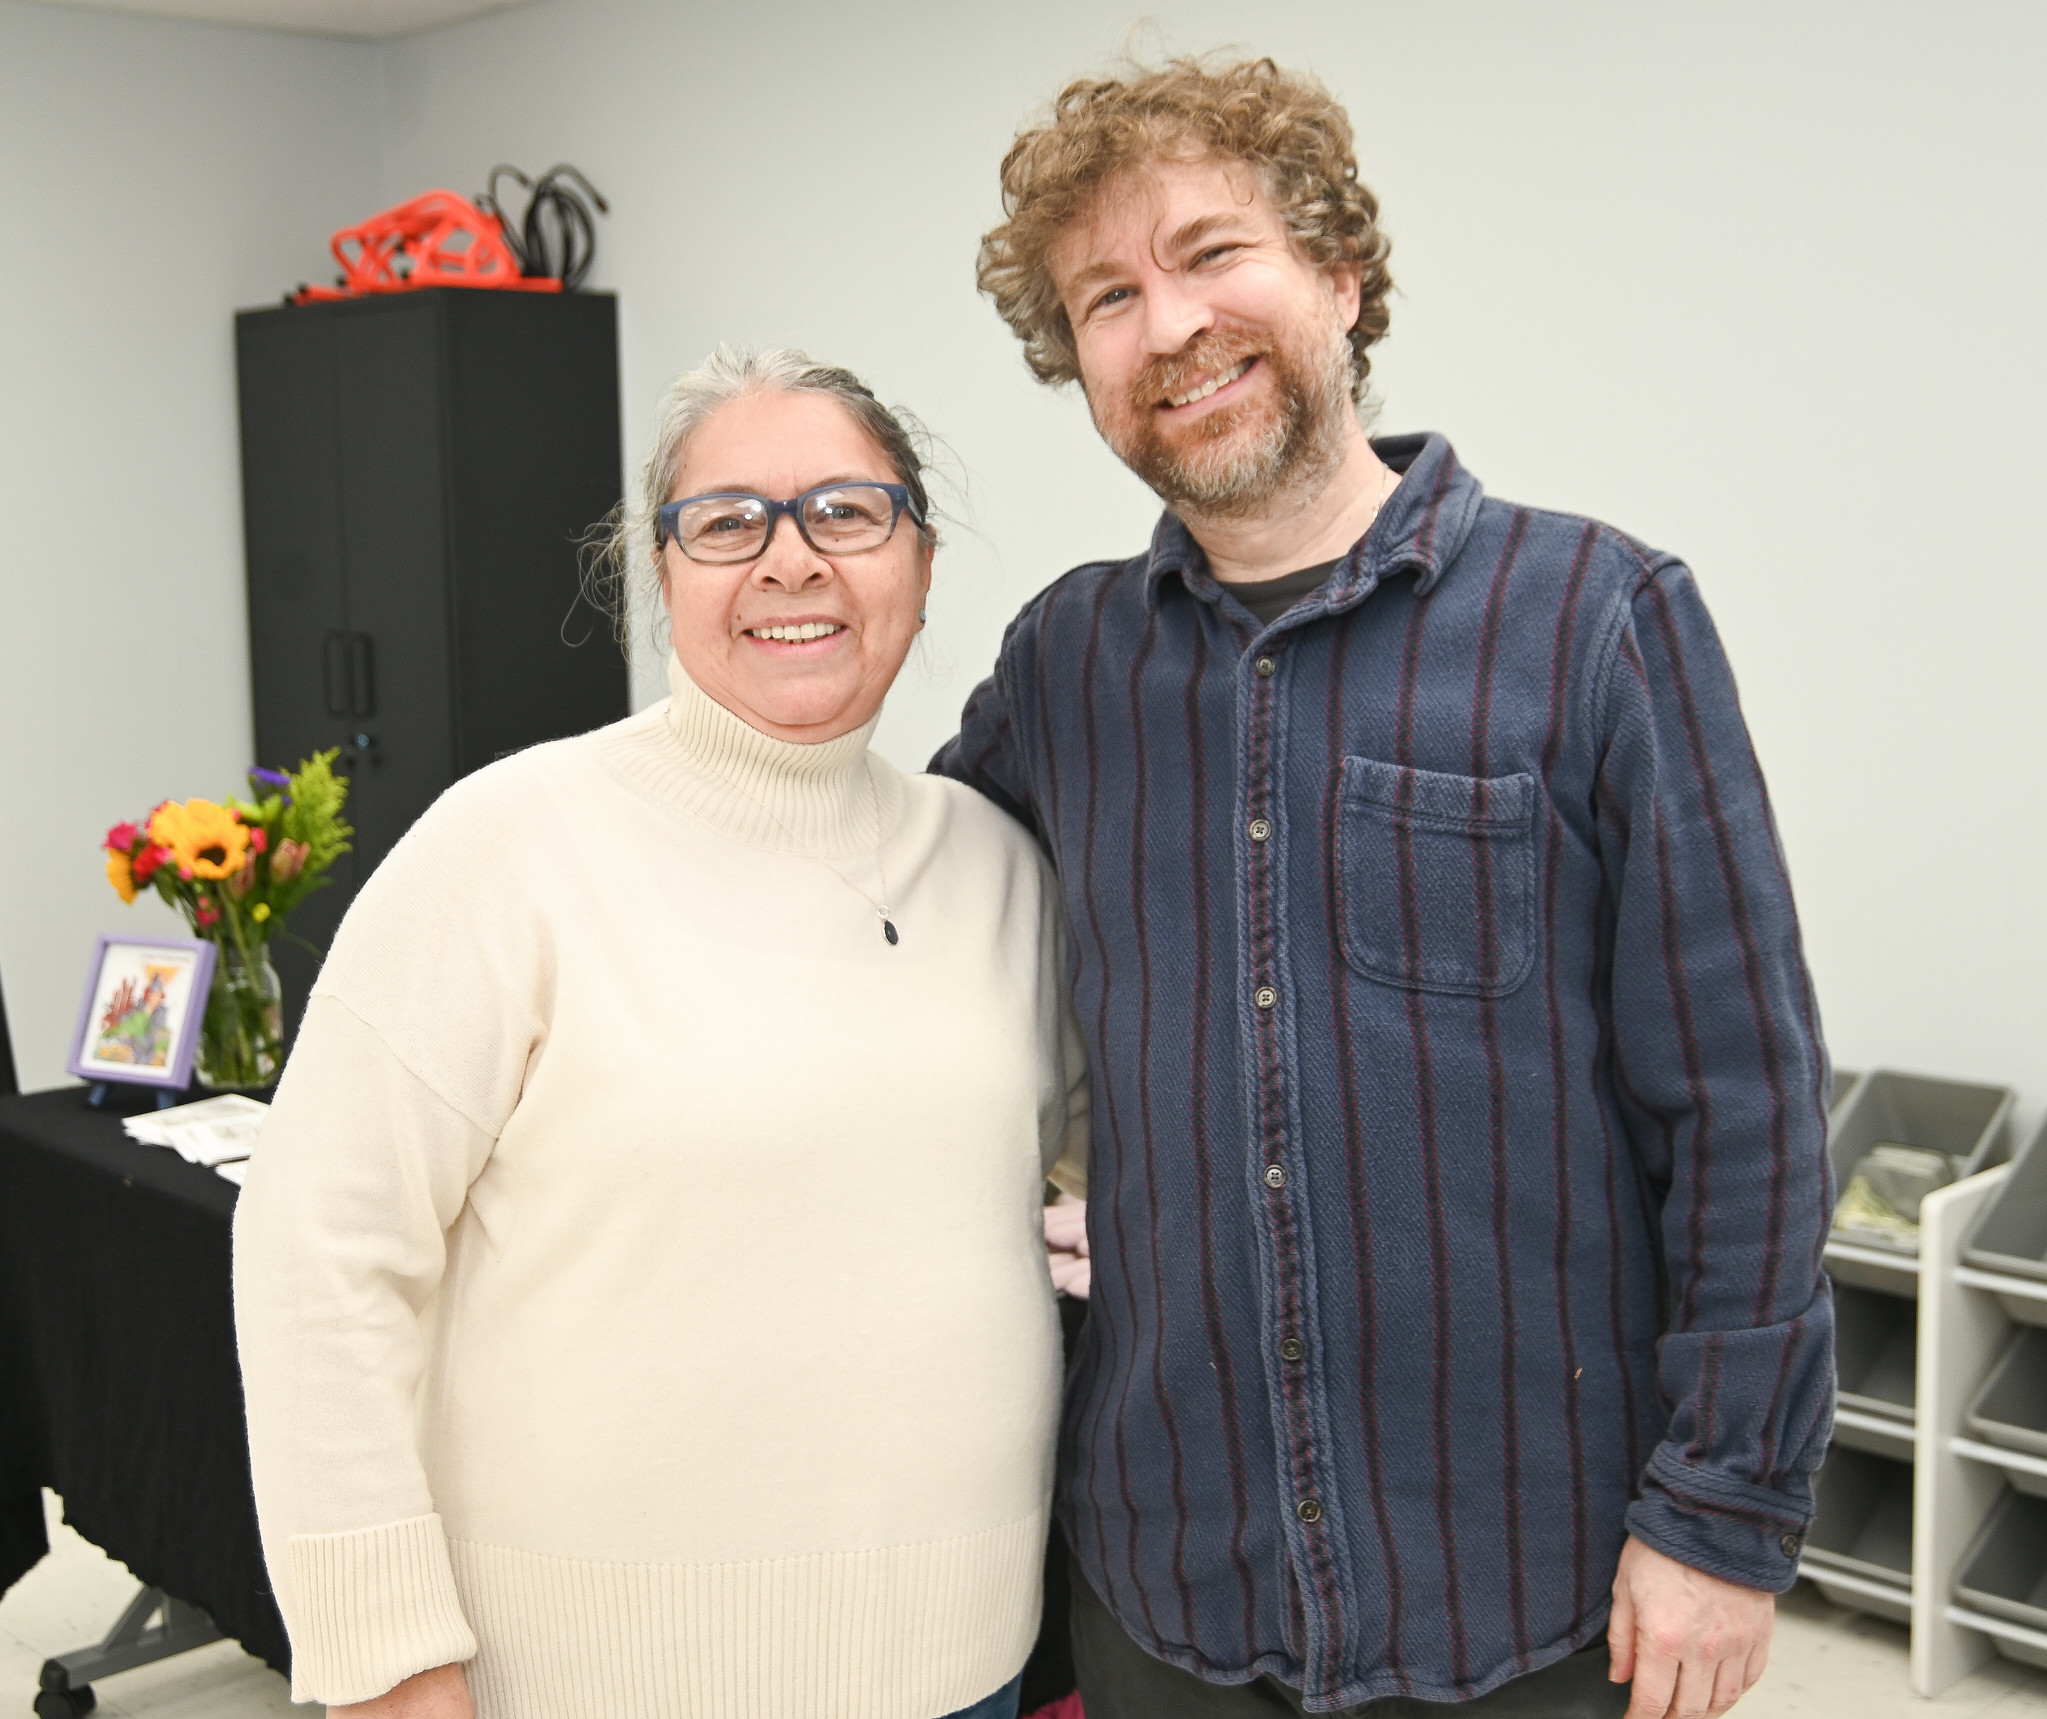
(1968, 1123)
(2004, 1574)
(2011, 1408)
(2011, 1235)
(1862, 1527)
(1876, 1342)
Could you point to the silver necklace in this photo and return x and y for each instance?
(888, 925)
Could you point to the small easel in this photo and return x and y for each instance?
(100, 1091)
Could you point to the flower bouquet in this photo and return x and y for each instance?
(235, 871)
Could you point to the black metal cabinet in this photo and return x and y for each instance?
(417, 471)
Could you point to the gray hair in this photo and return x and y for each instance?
(626, 567)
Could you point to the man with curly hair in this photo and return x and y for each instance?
(1458, 1332)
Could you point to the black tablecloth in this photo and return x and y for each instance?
(118, 1382)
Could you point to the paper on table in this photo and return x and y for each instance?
(209, 1132)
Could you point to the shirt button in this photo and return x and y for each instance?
(1789, 1545)
(1261, 831)
(1275, 1175)
(1308, 1510)
(1292, 1349)
(1267, 667)
(1265, 997)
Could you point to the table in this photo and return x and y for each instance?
(119, 1387)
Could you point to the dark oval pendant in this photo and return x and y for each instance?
(888, 930)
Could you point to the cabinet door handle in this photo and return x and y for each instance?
(335, 673)
(361, 675)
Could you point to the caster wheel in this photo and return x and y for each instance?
(66, 1703)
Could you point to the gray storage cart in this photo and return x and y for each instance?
(2011, 1235)
(1966, 1122)
(2011, 1408)
(1863, 1528)
(2004, 1574)
(1876, 1340)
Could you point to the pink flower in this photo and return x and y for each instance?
(121, 839)
(205, 912)
(149, 861)
(244, 880)
(259, 838)
(288, 861)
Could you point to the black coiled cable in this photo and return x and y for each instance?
(557, 237)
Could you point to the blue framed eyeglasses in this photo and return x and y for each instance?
(736, 525)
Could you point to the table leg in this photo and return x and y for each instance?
(154, 1627)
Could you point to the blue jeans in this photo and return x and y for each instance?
(1000, 1705)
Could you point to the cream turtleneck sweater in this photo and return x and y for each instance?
(639, 1280)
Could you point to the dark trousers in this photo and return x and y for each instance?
(1119, 1680)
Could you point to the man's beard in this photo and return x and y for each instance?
(1244, 460)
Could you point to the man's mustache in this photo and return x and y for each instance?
(1208, 354)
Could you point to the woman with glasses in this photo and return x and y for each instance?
(642, 1300)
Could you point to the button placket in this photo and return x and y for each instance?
(1265, 995)
(1295, 1417)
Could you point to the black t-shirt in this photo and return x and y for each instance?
(1268, 599)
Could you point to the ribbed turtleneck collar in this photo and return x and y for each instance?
(826, 799)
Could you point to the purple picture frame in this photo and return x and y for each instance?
(176, 1070)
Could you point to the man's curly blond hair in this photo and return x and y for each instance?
(1283, 124)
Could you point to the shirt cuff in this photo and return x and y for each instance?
(372, 1608)
(1726, 1527)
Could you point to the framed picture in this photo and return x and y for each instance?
(143, 1007)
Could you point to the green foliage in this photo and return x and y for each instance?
(310, 816)
(314, 815)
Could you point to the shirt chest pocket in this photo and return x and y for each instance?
(1436, 877)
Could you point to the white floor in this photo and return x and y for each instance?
(1826, 1661)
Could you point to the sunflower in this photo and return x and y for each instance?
(121, 875)
(205, 840)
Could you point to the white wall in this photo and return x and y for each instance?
(157, 176)
(1755, 281)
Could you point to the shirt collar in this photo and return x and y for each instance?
(1420, 529)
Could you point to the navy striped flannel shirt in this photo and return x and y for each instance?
(1458, 1184)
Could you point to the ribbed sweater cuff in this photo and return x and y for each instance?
(372, 1608)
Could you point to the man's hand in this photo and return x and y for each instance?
(442, 1693)
(1066, 1246)
(1693, 1644)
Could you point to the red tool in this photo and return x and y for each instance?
(437, 239)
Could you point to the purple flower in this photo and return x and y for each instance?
(276, 781)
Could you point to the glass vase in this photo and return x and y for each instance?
(241, 1041)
